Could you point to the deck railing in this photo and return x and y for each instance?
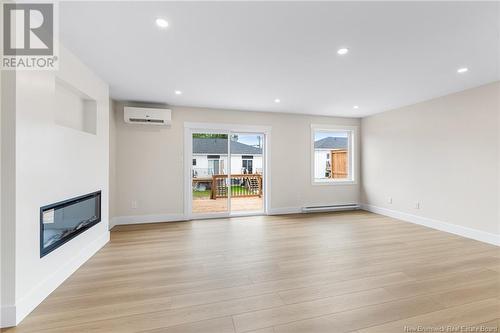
(243, 185)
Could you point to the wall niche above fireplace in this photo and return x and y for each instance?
(63, 221)
(74, 109)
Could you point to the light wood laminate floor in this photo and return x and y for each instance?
(338, 272)
(244, 204)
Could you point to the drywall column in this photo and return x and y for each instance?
(498, 133)
(54, 161)
(7, 198)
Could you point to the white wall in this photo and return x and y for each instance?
(54, 163)
(156, 152)
(444, 154)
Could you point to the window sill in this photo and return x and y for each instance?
(333, 182)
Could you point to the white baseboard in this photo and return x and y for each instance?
(285, 210)
(158, 218)
(478, 235)
(140, 219)
(14, 314)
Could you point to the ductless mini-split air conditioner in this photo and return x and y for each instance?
(147, 116)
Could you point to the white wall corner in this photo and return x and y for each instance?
(28, 303)
(8, 316)
(112, 223)
(475, 234)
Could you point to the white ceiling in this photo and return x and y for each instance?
(244, 55)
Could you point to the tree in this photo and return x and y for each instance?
(209, 136)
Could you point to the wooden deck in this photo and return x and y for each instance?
(316, 273)
(243, 204)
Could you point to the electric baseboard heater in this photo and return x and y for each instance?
(331, 208)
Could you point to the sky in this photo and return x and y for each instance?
(249, 139)
(322, 135)
(252, 139)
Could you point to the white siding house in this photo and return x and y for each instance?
(322, 162)
(210, 157)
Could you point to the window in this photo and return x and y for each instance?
(247, 164)
(215, 165)
(332, 155)
(194, 161)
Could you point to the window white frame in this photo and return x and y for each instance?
(351, 153)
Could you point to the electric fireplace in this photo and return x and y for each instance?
(63, 221)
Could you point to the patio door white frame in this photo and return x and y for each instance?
(228, 129)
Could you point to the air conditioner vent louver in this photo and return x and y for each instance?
(138, 120)
(147, 116)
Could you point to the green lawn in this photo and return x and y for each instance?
(201, 194)
(236, 189)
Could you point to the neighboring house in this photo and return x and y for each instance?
(210, 158)
(327, 152)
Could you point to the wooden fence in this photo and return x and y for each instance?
(244, 185)
(339, 164)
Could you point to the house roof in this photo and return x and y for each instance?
(219, 146)
(331, 143)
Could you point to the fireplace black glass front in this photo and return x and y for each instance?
(62, 221)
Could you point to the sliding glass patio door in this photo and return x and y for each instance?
(226, 173)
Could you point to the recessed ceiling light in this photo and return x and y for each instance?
(355, 107)
(462, 70)
(343, 51)
(162, 23)
(178, 92)
(277, 100)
